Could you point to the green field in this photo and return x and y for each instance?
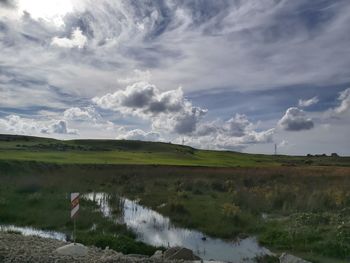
(24, 148)
(306, 200)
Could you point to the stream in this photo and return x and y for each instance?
(155, 229)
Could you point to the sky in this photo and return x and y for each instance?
(240, 75)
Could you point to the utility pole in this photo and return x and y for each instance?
(275, 149)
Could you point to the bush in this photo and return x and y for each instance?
(34, 198)
(319, 201)
(267, 259)
(333, 248)
(231, 210)
(218, 186)
(311, 219)
(134, 188)
(276, 238)
(120, 243)
(28, 188)
(183, 195)
(178, 208)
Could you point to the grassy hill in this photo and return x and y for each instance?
(27, 148)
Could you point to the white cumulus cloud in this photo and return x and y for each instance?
(295, 120)
(19, 125)
(138, 134)
(77, 40)
(344, 98)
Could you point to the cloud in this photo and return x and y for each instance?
(238, 125)
(77, 40)
(138, 134)
(59, 127)
(308, 103)
(167, 110)
(222, 141)
(182, 122)
(283, 143)
(235, 134)
(295, 120)
(136, 76)
(7, 3)
(344, 98)
(18, 125)
(81, 114)
(141, 99)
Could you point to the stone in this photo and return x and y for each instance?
(157, 255)
(177, 253)
(288, 258)
(73, 249)
(137, 256)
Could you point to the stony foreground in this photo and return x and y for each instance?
(16, 248)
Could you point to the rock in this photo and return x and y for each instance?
(176, 253)
(288, 258)
(157, 255)
(73, 249)
(137, 256)
(16, 248)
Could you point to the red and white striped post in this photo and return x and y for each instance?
(74, 199)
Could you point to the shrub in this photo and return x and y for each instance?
(311, 219)
(319, 201)
(178, 208)
(28, 188)
(218, 186)
(231, 210)
(267, 259)
(119, 243)
(183, 195)
(34, 198)
(332, 248)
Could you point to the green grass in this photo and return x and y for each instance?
(299, 201)
(24, 148)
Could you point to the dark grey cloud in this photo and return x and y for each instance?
(167, 110)
(8, 3)
(143, 98)
(295, 120)
(187, 123)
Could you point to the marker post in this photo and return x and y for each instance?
(74, 199)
